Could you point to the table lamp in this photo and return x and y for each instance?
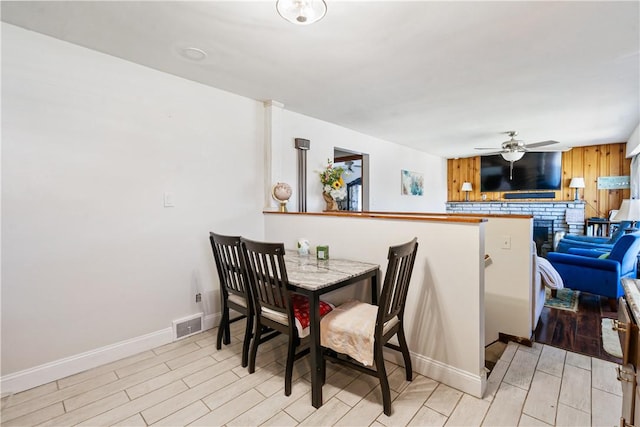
(577, 183)
(629, 211)
(466, 187)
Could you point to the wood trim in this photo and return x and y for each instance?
(505, 338)
(472, 215)
(348, 158)
(435, 217)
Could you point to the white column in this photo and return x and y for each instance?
(634, 179)
(633, 151)
(273, 149)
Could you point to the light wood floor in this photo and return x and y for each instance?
(190, 383)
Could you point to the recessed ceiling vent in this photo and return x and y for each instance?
(193, 53)
(187, 326)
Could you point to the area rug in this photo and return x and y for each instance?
(610, 340)
(566, 299)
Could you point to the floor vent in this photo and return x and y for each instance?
(187, 326)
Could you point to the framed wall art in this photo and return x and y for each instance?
(412, 183)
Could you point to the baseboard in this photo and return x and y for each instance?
(505, 338)
(467, 382)
(52, 371)
(211, 321)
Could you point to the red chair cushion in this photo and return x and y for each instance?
(301, 309)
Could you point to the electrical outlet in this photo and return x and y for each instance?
(198, 297)
(506, 242)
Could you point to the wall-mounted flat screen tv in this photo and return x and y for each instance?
(534, 171)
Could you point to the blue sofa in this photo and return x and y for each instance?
(604, 244)
(596, 271)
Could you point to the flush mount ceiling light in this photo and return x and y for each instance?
(301, 12)
(193, 53)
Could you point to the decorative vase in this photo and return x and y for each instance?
(332, 205)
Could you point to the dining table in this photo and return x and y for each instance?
(313, 277)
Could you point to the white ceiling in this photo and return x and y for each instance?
(442, 77)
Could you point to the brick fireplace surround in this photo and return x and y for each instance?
(549, 214)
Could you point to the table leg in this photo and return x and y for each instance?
(374, 288)
(316, 351)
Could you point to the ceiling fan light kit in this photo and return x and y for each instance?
(512, 156)
(513, 149)
(301, 12)
(349, 164)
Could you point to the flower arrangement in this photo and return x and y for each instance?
(332, 182)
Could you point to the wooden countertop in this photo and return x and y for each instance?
(409, 216)
(632, 294)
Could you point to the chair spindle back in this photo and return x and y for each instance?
(396, 281)
(267, 275)
(228, 256)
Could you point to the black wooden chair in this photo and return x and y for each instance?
(234, 290)
(274, 303)
(385, 321)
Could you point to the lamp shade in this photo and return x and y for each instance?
(466, 186)
(512, 156)
(629, 211)
(577, 182)
(301, 12)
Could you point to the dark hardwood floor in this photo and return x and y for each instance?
(579, 332)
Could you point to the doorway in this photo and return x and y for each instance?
(356, 178)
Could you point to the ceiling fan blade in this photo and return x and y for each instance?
(485, 148)
(541, 144)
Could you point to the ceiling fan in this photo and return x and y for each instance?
(513, 149)
(350, 165)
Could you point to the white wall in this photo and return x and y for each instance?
(633, 144)
(94, 267)
(444, 315)
(508, 294)
(90, 257)
(386, 160)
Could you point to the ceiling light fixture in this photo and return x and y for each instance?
(512, 156)
(301, 12)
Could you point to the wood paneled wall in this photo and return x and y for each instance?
(589, 162)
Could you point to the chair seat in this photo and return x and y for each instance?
(355, 329)
(234, 290)
(237, 299)
(349, 329)
(300, 311)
